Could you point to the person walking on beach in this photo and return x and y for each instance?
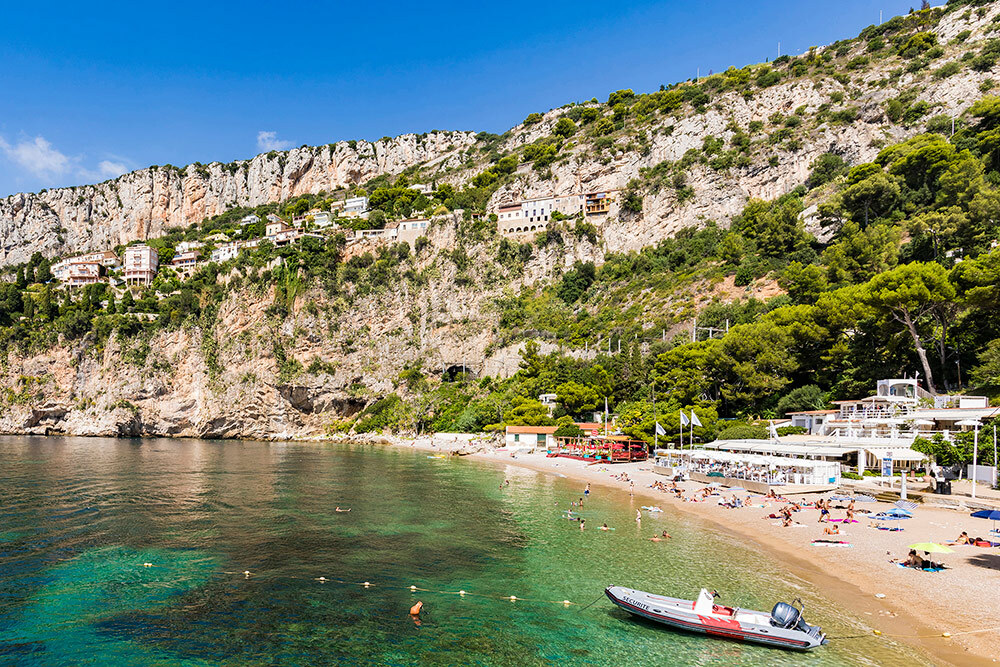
(824, 511)
(631, 488)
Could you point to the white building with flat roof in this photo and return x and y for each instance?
(188, 246)
(356, 207)
(411, 230)
(225, 252)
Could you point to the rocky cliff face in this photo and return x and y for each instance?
(228, 382)
(142, 204)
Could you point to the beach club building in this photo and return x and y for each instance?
(530, 437)
(869, 433)
(753, 472)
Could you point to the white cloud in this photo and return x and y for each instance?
(37, 156)
(268, 141)
(111, 169)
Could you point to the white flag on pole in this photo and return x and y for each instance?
(660, 430)
(684, 419)
(694, 419)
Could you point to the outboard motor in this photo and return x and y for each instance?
(785, 616)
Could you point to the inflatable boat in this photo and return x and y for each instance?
(784, 627)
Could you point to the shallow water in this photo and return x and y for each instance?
(79, 518)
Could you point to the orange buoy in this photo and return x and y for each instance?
(415, 609)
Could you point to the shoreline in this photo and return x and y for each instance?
(849, 579)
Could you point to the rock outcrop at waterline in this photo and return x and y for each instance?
(144, 203)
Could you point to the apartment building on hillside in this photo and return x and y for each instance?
(141, 263)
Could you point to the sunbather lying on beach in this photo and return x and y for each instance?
(962, 539)
(914, 560)
(832, 529)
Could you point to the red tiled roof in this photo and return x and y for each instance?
(547, 430)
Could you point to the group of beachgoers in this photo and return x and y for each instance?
(573, 515)
(832, 527)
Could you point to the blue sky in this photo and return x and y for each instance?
(94, 89)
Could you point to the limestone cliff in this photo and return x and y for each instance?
(142, 204)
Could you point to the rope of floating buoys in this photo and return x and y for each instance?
(412, 588)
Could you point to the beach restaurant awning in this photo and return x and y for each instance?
(751, 459)
(778, 448)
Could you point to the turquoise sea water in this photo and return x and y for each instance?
(79, 518)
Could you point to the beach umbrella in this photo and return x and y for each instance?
(993, 515)
(862, 498)
(899, 511)
(736, 488)
(840, 498)
(931, 548)
(905, 505)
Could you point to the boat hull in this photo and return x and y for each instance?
(680, 614)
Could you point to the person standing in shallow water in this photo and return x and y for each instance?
(586, 491)
(583, 523)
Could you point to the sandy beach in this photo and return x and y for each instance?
(908, 605)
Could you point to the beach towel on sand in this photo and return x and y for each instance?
(831, 543)
(925, 569)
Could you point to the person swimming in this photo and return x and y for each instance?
(337, 509)
(605, 527)
(415, 612)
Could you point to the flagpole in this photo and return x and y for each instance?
(691, 439)
(682, 429)
(605, 418)
(656, 424)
